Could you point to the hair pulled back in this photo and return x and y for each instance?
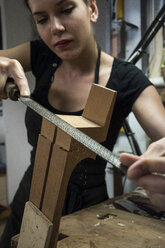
(27, 2)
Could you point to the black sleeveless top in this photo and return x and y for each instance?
(125, 78)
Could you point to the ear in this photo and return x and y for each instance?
(93, 11)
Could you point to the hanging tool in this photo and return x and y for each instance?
(13, 92)
(148, 36)
(122, 24)
(122, 32)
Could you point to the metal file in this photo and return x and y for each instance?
(75, 133)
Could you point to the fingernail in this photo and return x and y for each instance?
(26, 93)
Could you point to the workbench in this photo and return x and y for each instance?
(104, 226)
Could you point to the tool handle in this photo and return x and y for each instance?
(12, 90)
(123, 169)
(120, 9)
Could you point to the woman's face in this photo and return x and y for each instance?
(64, 25)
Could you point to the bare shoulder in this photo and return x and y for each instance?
(20, 53)
(105, 67)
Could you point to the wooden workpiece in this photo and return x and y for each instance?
(56, 157)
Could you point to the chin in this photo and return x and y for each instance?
(68, 55)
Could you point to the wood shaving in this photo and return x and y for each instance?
(120, 224)
(97, 224)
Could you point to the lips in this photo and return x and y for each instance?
(62, 43)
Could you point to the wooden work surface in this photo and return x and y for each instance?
(103, 226)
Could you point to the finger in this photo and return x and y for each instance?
(153, 183)
(146, 166)
(157, 200)
(156, 149)
(128, 159)
(17, 73)
(3, 80)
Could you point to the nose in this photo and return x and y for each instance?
(56, 26)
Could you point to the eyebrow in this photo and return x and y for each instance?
(42, 12)
(60, 2)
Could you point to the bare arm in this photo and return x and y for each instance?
(20, 53)
(150, 113)
(13, 63)
(148, 169)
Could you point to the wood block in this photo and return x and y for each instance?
(79, 121)
(54, 186)
(36, 229)
(61, 166)
(69, 144)
(41, 167)
(86, 126)
(99, 105)
(48, 130)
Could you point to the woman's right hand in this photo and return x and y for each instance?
(11, 68)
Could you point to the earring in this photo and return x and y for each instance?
(94, 18)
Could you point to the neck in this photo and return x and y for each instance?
(85, 63)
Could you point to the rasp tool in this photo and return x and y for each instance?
(91, 144)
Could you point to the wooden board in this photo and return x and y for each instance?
(36, 229)
(103, 226)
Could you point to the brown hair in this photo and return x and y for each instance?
(27, 4)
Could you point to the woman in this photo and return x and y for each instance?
(66, 62)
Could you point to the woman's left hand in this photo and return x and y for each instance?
(148, 171)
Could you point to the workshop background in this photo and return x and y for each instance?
(16, 27)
